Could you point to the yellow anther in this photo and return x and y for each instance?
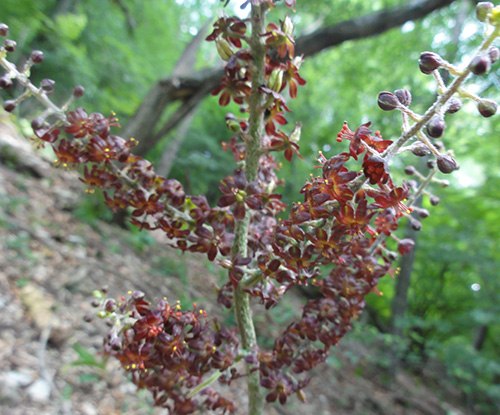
(174, 348)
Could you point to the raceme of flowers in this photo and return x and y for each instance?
(350, 209)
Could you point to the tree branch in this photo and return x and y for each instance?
(168, 90)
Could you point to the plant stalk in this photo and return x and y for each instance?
(243, 311)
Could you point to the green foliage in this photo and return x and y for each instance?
(87, 358)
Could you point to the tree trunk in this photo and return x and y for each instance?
(400, 299)
(481, 335)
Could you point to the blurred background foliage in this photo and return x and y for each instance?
(118, 49)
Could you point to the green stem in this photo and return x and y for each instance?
(243, 311)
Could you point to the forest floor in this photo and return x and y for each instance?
(50, 262)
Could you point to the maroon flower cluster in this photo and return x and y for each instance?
(342, 223)
(171, 352)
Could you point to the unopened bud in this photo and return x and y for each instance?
(4, 29)
(422, 213)
(404, 96)
(9, 105)
(438, 144)
(493, 53)
(420, 149)
(110, 305)
(434, 200)
(47, 85)
(296, 132)
(387, 101)
(405, 246)
(78, 91)
(223, 49)
(435, 127)
(138, 295)
(480, 65)
(430, 164)
(5, 82)
(37, 56)
(410, 170)
(415, 224)
(392, 255)
(429, 61)
(487, 107)
(37, 123)
(232, 122)
(482, 10)
(276, 80)
(287, 26)
(454, 105)
(446, 164)
(9, 45)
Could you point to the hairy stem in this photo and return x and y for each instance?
(253, 150)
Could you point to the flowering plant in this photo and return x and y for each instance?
(349, 212)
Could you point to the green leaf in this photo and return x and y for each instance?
(86, 357)
(70, 26)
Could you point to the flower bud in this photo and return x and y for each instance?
(47, 85)
(9, 45)
(78, 91)
(487, 107)
(37, 56)
(415, 224)
(287, 26)
(296, 132)
(446, 164)
(4, 29)
(421, 212)
(9, 105)
(420, 150)
(454, 105)
(429, 61)
(232, 122)
(430, 164)
(405, 246)
(223, 49)
(482, 10)
(410, 170)
(37, 123)
(493, 53)
(387, 101)
(138, 295)
(5, 82)
(276, 80)
(435, 127)
(403, 96)
(392, 255)
(110, 305)
(438, 144)
(480, 65)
